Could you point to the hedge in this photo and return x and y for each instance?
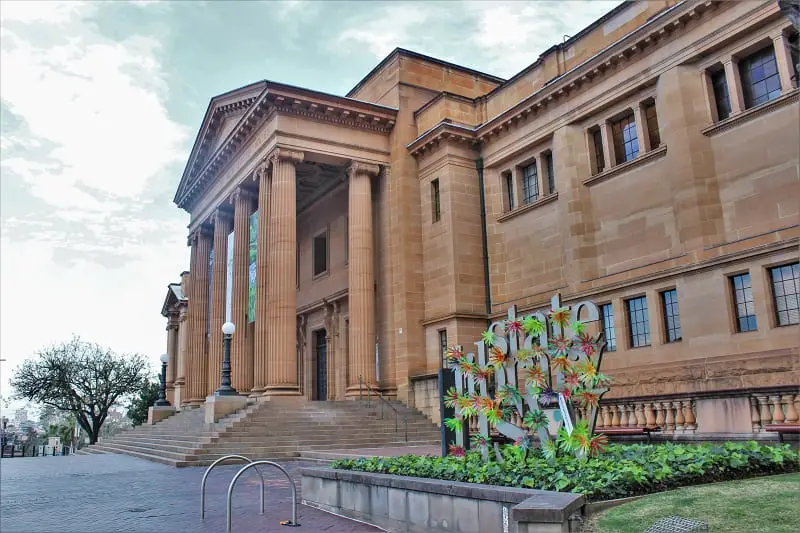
(621, 471)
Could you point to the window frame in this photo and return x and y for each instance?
(618, 132)
(718, 79)
(436, 201)
(606, 324)
(596, 144)
(670, 310)
(794, 269)
(735, 300)
(747, 65)
(633, 333)
(528, 180)
(508, 185)
(326, 235)
(651, 123)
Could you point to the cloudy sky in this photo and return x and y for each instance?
(100, 103)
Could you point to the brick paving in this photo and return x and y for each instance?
(122, 494)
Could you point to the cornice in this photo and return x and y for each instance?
(335, 114)
(443, 131)
(749, 114)
(357, 167)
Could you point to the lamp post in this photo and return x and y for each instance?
(162, 393)
(225, 388)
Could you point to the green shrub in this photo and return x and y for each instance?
(623, 470)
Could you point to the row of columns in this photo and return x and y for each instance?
(271, 368)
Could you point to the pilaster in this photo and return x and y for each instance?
(261, 342)
(361, 279)
(282, 373)
(241, 357)
(222, 227)
(784, 60)
(735, 95)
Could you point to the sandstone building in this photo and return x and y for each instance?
(649, 163)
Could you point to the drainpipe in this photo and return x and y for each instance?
(484, 239)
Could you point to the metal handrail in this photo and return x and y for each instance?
(383, 401)
(292, 523)
(208, 471)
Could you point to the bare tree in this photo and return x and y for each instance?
(81, 378)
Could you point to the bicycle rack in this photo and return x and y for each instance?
(208, 471)
(293, 522)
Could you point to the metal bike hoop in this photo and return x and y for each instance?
(293, 523)
(208, 471)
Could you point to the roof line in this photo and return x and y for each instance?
(411, 53)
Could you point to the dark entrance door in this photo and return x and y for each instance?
(321, 349)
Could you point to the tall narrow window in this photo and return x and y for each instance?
(508, 179)
(607, 316)
(597, 144)
(720, 85)
(443, 347)
(320, 253)
(436, 201)
(672, 319)
(652, 125)
(551, 177)
(638, 321)
(530, 184)
(743, 299)
(626, 141)
(760, 79)
(785, 293)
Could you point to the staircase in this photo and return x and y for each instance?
(270, 430)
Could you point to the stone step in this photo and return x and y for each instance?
(147, 456)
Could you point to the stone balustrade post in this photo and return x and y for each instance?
(688, 414)
(669, 418)
(766, 416)
(777, 411)
(615, 416)
(659, 414)
(649, 414)
(791, 412)
(680, 421)
(755, 417)
(641, 421)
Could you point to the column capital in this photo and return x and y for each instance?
(221, 216)
(244, 194)
(284, 154)
(358, 167)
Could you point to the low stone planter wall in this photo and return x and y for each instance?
(410, 504)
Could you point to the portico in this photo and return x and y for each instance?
(283, 188)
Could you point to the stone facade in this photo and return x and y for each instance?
(653, 155)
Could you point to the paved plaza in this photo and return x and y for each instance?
(122, 494)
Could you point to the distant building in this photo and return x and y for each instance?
(20, 415)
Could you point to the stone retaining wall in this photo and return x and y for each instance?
(410, 504)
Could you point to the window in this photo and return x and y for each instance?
(672, 319)
(760, 80)
(607, 317)
(652, 125)
(639, 322)
(743, 299)
(443, 347)
(320, 253)
(720, 85)
(509, 183)
(530, 184)
(551, 177)
(436, 201)
(626, 142)
(597, 144)
(786, 291)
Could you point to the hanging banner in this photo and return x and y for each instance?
(229, 279)
(251, 269)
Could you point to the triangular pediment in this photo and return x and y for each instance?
(222, 115)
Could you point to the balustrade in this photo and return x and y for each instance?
(674, 416)
(777, 408)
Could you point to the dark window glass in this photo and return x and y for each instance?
(509, 181)
(530, 184)
(607, 316)
(743, 299)
(652, 126)
(436, 201)
(551, 177)
(599, 157)
(443, 347)
(760, 80)
(721, 98)
(638, 321)
(785, 291)
(672, 319)
(320, 254)
(626, 142)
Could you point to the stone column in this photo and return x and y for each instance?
(183, 339)
(735, 95)
(641, 129)
(282, 314)
(361, 279)
(783, 58)
(608, 145)
(222, 227)
(261, 343)
(241, 363)
(172, 348)
(198, 316)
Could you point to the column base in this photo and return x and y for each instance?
(195, 402)
(280, 391)
(159, 413)
(221, 406)
(356, 391)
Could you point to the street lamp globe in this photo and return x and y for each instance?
(228, 328)
(164, 358)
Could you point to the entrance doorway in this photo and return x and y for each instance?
(321, 351)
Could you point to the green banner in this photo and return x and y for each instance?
(251, 269)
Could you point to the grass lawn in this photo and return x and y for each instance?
(760, 505)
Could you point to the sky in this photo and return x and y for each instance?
(100, 103)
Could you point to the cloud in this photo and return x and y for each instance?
(386, 29)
